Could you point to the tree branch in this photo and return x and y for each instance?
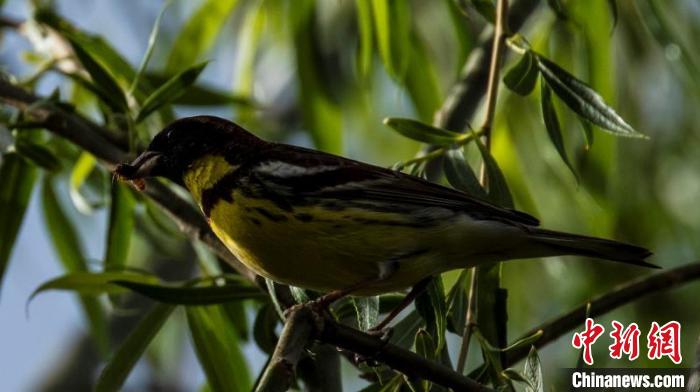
(555, 328)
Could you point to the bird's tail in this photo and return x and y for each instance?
(556, 243)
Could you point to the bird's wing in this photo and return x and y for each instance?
(301, 175)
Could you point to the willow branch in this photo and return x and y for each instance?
(491, 100)
(622, 295)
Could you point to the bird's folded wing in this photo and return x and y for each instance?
(296, 174)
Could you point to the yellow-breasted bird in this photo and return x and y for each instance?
(323, 222)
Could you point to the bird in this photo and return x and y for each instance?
(331, 224)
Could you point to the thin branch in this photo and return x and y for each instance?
(491, 100)
(404, 361)
(629, 292)
(296, 335)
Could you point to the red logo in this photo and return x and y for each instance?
(586, 339)
(665, 341)
(662, 341)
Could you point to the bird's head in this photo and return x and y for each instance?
(181, 143)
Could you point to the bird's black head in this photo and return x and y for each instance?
(181, 143)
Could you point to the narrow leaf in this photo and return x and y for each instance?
(172, 89)
(120, 226)
(460, 175)
(181, 295)
(583, 100)
(457, 304)
(392, 26)
(199, 33)
(81, 170)
(69, 249)
(533, 371)
(218, 349)
(587, 131)
(109, 90)
(118, 368)
(432, 308)
(37, 154)
(422, 132)
(551, 123)
(88, 283)
(406, 329)
(612, 5)
(264, 328)
(149, 48)
(523, 76)
(485, 8)
(367, 309)
(17, 178)
(498, 189)
(421, 80)
(366, 44)
(515, 375)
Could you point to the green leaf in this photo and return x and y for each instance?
(182, 295)
(422, 132)
(172, 89)
(38, 154)
(272, 291)
(406, 329)
(199, 33)
(264, 328)
(118, 368)
(17, 178)
(515, 375)
(218, 349)
(523, 76)
(558, 8)
(460, 175)
(457, 304)
(120, 226)
(321, 113)
(612, 5)
(367, 309)
(587, 132)
(533, 371)
(583, 100)
(366, 44)
(66, 243)
(236, 313)
(421, 80)
(498, 190)
(485, 8)
(107, 88)
(300, 295)
(392, 27)
(149, 48)
(431, 306)
(551, 123)
(526, 341)
(88, 283)
(81, 170)
(425, 347)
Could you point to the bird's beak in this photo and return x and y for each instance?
(141, 167)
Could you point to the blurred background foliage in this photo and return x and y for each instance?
(326, 74)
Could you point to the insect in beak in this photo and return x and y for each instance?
(139, 169)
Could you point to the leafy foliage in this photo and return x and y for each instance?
(322, 73)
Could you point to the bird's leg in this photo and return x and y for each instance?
(386, 270)
(416, 290)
